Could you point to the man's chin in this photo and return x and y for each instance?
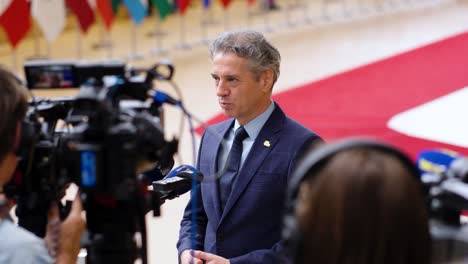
(228, 114)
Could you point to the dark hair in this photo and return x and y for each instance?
(363, 206)
(13, 107)
(252, 46)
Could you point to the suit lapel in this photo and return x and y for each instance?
(212, 186)
(257, 154)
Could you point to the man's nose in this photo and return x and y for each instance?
(221, 89)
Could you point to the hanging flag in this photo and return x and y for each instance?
(250, 2)
(115, 6)
(145, 3)
(136, 9)
(92, 4)
(16, 21)
(182, 5)
(163, 6)
(105, 10)
(225, 3)
(83, 13)
(206, 3)
(3, 5)
(50, 16)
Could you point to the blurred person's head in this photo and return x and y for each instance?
(13, 107)
(358, 202)
(245, 68)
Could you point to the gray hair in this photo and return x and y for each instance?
(252, 46)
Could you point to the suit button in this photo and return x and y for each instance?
(219, 237)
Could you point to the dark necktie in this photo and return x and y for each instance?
(232, 166)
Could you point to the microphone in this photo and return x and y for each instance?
(177, 182)
(161, 98)
(155, 174)
(445, 171)
(433, 163)
(443, 177)
(459, 169)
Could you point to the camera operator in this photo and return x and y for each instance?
(357, 201)
(17, 244)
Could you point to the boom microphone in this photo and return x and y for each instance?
(177, 182)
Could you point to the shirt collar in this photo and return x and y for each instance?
(255, 125)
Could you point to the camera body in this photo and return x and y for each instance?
(444, 176)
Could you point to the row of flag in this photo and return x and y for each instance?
(50, 15)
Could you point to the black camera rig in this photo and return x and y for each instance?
(445, 181)
(111, 127)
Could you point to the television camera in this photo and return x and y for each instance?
(98, 140)
(444, 175)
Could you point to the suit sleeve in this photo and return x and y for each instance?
(192, 231)
(279, 252)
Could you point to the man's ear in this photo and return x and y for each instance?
(267, 80)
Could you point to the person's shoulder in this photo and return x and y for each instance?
(222, 124)
(17, 237)
(17, 242)
(291, 126)
(297, 127)
(218, 128)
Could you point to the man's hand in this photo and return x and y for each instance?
(52, 237)
(72, 230)
(186, 258)
(209, 258)
(63, 239)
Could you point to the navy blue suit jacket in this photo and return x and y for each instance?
(249, 228)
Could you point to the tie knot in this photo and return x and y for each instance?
(241, 134)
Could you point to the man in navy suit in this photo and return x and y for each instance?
(239, 204)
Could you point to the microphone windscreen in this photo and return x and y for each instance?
(435, 161)
(154, 174)
(183, 171)
(161, 98)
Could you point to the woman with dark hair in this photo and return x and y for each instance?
(362, 206)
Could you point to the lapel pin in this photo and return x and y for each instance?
(266, 143)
